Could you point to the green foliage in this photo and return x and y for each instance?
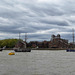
(9, 43)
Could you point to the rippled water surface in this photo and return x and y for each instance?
(38, 63)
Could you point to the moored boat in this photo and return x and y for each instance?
(73, 49)
(70, 50)
(21, 46)
(1, 49)
(22, 50)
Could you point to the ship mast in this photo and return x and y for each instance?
(19, 36)
(73, 37)
(25, 39)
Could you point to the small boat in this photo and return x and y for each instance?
(2, 48)
(11, 53)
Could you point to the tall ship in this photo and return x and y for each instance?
(21, 45)
(72, 49)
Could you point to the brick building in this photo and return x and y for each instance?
(55, 42)
(58, 42)
(35, 44)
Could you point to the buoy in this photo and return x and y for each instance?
(11, 53)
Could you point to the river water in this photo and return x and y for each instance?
(37, 63)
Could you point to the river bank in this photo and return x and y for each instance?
(49, 48)
(41, 48)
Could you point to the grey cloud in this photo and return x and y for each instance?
(47, 9)
(60, 23)
(37, 37)
(31, 17)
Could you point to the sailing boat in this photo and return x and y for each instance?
(21, 45)
(73, 49)
(2, 48)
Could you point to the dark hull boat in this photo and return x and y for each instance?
(21, 47)
(70, 50)
(1, 49)
(22, 50)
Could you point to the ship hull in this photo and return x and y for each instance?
(0, 50)
(70, 50)
(23, 50)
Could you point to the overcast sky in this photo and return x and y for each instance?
(38, 18)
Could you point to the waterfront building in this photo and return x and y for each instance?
(58, 42)
(55, 42)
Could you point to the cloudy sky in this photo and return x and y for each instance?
(38, 18)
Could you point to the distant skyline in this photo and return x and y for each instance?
(38, 18)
